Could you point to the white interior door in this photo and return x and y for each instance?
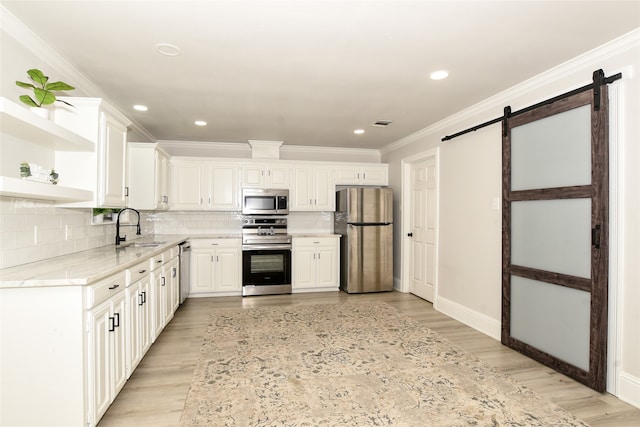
(423, 231)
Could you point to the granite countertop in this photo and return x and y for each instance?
(86, 267)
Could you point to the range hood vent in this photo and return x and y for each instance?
(265, 149)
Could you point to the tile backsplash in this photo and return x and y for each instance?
(33, 230)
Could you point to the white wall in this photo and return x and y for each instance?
(469, 264)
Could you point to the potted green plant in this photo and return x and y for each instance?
(42, 90)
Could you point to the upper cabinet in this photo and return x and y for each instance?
(204, 185)
(149, 177)
(350, 174)
(312, 189)
(269, 175)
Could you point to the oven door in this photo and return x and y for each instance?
(263, 266)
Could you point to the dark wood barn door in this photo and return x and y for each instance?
(555, 235)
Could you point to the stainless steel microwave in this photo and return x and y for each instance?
(265, 202)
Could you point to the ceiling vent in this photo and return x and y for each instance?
(382, 123)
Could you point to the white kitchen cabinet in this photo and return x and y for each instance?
(164, 282)
(149, 177)
(202, 185)
(312, 189)
(216, 267)
(82, 339)
(265, 175)
(357, 174)
(103, 171)
(316, 263)
(138, 295)
(107, 351)
(172, 275)
(107, 322)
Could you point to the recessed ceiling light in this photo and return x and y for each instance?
(200, 123)
(140, 107)
(439, 75)
(168, 49)
(358, 131)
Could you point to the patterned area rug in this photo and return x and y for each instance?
(353, 364)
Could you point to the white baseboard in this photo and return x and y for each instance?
(629, 389)
(478, 321)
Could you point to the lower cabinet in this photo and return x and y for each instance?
(216, 267)
(316, 263)
(67, 350)
(165, 289)
(107, 352)
(139, 311)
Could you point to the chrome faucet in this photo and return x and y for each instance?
(138, 232)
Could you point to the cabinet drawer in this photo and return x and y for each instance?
(158, 260)
(307, 241)
(138, 271)
(174, 251)
(105, 289)
(216, 243)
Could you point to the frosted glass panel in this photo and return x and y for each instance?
(552, 152)
(554, 319)
(552, 235)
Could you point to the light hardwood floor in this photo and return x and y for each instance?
(155, 393)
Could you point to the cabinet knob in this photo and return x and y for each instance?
(409, 234)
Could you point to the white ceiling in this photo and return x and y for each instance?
(310, 72)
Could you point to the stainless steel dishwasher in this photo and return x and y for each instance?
(185, 270)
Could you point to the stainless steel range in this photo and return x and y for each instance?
(266, 255)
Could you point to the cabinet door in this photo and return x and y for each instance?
(304, 267)
(202, 270)
(165, 180)
(327, 266)
(157, 302)
(188, 180)
(119, 341)
(227, 270)
(347, 175)
(161, 181)
(113, 162)
(375, 175)
(277, 177)
(173, 289)
(223, 184)
(252, 176)
(145, 315)
(134, 316)
(302, 189)
(99, 358)
(325, 190)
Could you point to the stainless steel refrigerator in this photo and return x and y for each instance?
(364, 218)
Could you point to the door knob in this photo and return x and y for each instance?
(410, 234)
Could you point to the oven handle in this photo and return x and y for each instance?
(263, 247)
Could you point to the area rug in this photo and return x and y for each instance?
(351, 364)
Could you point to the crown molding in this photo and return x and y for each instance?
(244, 149)
(497, 102)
